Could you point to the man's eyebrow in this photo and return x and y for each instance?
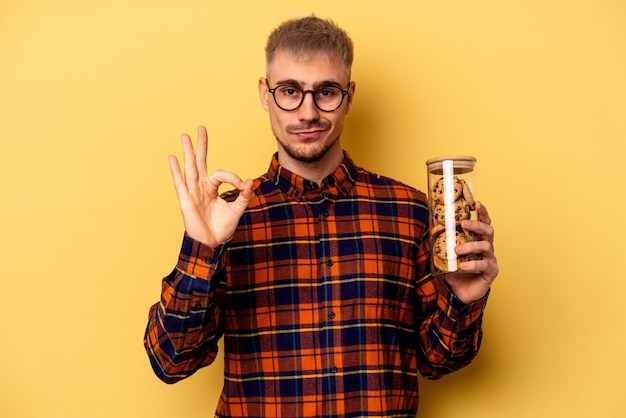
(316, 85)
(289, 82)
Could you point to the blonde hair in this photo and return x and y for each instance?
(301, 37)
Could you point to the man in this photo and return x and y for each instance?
(316, 273)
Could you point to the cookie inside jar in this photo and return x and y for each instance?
(451, 199)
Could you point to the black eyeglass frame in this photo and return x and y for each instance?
(344, 93)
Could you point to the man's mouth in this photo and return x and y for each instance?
(308, 135)
(307, 132)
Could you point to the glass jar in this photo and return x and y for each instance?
(451, 199)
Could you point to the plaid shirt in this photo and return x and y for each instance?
(324, 300)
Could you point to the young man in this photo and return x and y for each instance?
(317, 273)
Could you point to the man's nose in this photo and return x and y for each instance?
(308, 109)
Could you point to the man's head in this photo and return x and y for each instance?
(301, 37)
(309, 62)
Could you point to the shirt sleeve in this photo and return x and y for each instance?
(184, 327)
(449, 330)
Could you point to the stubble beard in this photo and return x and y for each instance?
(304, 153)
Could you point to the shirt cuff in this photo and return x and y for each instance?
(197, 259)
(456, 309)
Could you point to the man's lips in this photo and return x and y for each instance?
(310, 134)
(308, 131)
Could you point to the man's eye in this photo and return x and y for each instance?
(289, 91)
(327, 93)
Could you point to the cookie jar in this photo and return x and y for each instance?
(451, 187)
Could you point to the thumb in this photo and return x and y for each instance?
(245, 196)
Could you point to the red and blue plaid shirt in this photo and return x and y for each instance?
(324, 299)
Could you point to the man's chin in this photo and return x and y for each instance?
(311, 153)
(306, 156)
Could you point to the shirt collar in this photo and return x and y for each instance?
(336, 184)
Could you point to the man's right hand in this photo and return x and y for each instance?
(207, 217)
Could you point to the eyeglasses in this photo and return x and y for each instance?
(290, 97)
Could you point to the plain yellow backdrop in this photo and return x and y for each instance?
(95, 94)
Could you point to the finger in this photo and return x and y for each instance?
(483, 215)
(488, 265)
(191, 172)
(219, 177)
(222, 176)
(485, 248)
(177, 176)
(478, 227)
(247, 191)
(201, 152)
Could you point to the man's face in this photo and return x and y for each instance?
(306, 134)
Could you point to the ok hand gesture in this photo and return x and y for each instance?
(207, 217)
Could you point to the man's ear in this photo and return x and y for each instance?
(264, 93)
(350, 96)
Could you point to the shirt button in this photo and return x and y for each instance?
(331, 315)
(208, 261)
(325, 213)
(334, 369)
(330, 263)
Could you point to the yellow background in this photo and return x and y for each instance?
(95, 94)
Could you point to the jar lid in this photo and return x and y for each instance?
(461, 163)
